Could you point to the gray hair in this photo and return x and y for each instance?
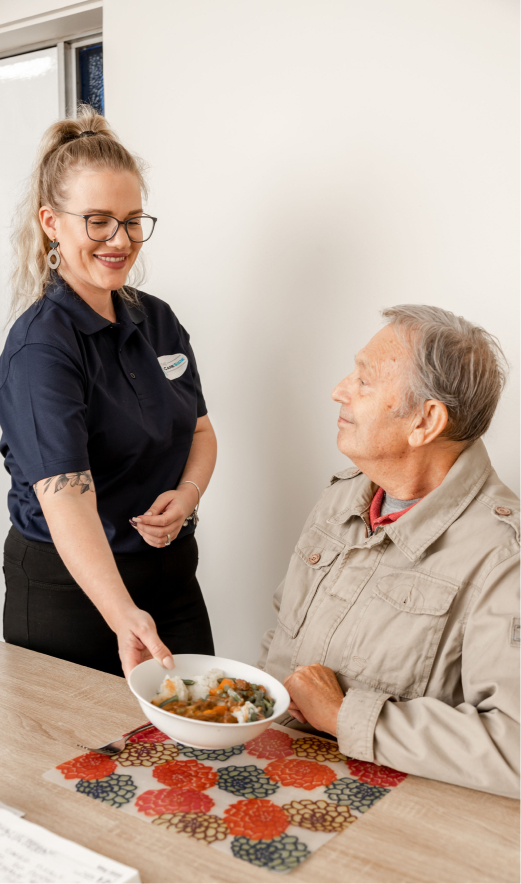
(454, 362)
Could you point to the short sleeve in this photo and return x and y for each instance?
(201, 404)
(43, 413)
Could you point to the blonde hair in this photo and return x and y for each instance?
(61, 151)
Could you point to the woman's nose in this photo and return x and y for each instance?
(121, 239)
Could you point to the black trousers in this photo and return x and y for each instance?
(46, 611)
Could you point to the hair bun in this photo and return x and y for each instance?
(88, 132)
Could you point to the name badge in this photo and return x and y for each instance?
(173, 366)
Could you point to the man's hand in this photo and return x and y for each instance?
(138, 641)
(316, 696)
(166, 516)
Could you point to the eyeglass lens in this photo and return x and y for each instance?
(101, 228)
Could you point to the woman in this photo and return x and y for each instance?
(105, 430)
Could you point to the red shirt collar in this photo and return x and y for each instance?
(376, 506)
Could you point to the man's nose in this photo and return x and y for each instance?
(341, 393)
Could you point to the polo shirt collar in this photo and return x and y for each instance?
(84, 317)
(420, 527)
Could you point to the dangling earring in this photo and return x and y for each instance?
(53, 257)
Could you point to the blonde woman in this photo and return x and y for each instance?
(105, 429)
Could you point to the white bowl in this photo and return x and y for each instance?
(144, 683)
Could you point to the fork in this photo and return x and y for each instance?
(117, 745)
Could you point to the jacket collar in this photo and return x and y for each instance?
(421, 526)
(83, 316)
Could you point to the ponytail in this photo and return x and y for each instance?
(87, 141)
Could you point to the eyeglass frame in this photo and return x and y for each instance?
(118, 222)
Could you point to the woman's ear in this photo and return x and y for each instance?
(48, 222)
(430, 424)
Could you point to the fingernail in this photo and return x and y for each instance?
(132, 522)
(135, 520)
(168, 662)
(150, 513)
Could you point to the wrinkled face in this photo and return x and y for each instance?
(368, 429)
(97, 265)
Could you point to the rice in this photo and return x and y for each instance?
(203, 684)
(242, 713)
(171, 686)
(174, 686)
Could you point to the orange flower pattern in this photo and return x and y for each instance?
(245, 800)
(270, 744)
(374, 774)
(151, 735)
(256, 818)
(189, 774)
(319, 750)
(147, 754)
(154, 802)
(91, 766)
(201, 826)
(302, 774)
(319, 816)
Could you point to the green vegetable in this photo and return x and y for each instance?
(188, 681)
(170, 700)
(252, 715)
(234, 695)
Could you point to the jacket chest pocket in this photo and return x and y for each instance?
(394, 642)
(313, 559)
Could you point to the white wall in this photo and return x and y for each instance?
(313, 161)
(28, 104)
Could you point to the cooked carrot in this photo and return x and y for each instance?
(216, 710)
(226, 682)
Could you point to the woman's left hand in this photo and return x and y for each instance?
(164, 520)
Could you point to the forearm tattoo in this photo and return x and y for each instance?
(83, 478)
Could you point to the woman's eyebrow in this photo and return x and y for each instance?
(107, 212)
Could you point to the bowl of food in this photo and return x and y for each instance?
(208, 702)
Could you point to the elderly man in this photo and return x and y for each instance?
(398, 627)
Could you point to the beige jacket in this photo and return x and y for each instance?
(419, 621)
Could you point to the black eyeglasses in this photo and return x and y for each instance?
(102, 228)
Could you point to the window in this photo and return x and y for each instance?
(83, 73)
(90, 70)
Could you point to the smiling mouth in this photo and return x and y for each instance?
(112, 260)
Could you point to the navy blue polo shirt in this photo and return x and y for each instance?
(78, 392)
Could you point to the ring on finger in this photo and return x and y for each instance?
(168, 541)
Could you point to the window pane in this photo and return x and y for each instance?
(91, 76)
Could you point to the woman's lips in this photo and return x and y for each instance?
(115, 262)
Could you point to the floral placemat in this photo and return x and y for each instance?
(271, 801)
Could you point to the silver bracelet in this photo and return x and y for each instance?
(194, 516)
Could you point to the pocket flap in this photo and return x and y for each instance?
(416, 593)
(318, 550)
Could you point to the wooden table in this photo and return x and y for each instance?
(421, 831)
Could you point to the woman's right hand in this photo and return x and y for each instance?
(138, 641)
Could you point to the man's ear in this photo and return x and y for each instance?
(429, 424)
(48, 222)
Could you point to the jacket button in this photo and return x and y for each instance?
(503, 511)
(132, 375)
(314, 559)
